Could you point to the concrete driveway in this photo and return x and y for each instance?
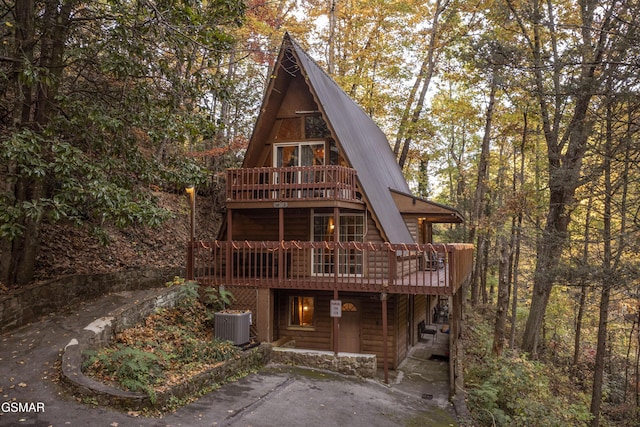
(30, 394)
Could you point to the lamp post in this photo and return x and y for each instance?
(191, 192)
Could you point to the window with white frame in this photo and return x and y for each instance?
(350, 229)
(298, 154)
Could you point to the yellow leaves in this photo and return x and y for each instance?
(13, 386)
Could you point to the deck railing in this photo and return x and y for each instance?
(291, 183)
(363, 267)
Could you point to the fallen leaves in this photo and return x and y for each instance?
(179, 340)
(69, 249)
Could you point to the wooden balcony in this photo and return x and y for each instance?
(361, 267)
(292, 184)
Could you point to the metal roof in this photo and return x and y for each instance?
(364, 145)
(408, 204)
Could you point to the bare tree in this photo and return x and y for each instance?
(422, 82)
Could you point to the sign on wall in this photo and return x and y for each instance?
(336, 308)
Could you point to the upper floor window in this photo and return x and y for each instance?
(298, 154)
(315, 127)
(300, 128)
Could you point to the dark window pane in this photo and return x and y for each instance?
(315, 127)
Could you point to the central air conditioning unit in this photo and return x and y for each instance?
(233, 325)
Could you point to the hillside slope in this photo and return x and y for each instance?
(68, 249)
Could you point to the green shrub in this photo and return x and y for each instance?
(217, 299)
(514, 391)
(172, 342)
(133, 369)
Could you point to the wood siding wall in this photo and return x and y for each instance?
(262, 224)
(419, 315)
(412, 225)
(377, 262)
(401, 326)
(321, 336)
(316, 338)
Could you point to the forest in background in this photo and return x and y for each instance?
(523, 115)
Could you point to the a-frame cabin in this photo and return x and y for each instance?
(320, 212)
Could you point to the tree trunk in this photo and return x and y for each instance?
(485, 268)
(36, 107)
(332, 42)
(598, 374)
(478, 270)
(580, 316)
(13, 267)
(518, 233)
(565, 153)
(427, 69)
(627, 358)
(610, 262)
(583, 285)
(481, 188)
(502, 307)
(637, 372)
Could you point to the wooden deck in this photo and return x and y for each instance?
(362, 267)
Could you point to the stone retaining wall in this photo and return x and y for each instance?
(32, 302)
(100, 332)
(29, 303)
(361, 365)
(96, 392)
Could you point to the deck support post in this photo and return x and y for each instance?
(385, 350)
(228, 255)
(455, 326)
(264, 314)
(336, 259)
(281, 249)
(336, 329)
